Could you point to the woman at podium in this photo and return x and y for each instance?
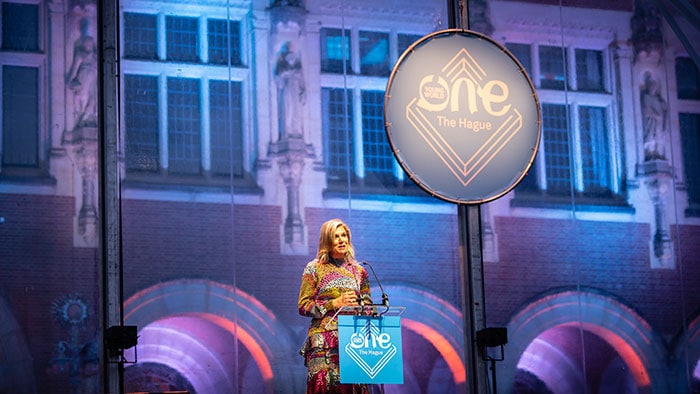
(332, 280)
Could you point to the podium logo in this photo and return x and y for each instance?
(370, 349)
(460, 103)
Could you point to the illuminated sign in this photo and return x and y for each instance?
(462, 116)
(370, 349)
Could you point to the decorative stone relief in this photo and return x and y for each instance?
(80, 135)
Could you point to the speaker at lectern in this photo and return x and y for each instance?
(369, 344)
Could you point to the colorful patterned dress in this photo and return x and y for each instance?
(321, 283)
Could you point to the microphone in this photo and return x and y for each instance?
(385, 298)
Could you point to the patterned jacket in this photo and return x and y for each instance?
(321, 283)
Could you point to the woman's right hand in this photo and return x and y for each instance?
(347, 298)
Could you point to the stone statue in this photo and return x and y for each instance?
(82, 78)
(291, 92)
(654, 113)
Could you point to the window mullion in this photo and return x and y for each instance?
(204, 103)
(575, 146)
(356, 96)
(202, 41)
(354, 51)
(570, 67)
(536, 70)
(162, 44)
(163, 120)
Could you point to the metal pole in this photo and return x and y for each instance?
(473, 308)
(110, 204)
(469, 221)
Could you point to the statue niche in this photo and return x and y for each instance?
(82, 78)
(655, 114)
(291, 92)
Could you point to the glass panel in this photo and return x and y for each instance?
(523, 53)
(589, 70)
(690, 141)
(181, 39)
(337, 127)
(226, 107)
(374, 53)
(406, 40)
(335, 50)
(20, 131)
(184, 143)
(595, 154)
(552, 67)
(140, 36)
(378, 158)
(20, 27)
(687, 79)
(224, 42)
(141, 113)
(555, 137)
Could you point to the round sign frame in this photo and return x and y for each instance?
(462, 116)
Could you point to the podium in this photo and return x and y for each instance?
(369, 344)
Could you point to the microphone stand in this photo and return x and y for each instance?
(385, 303)
(385, 297)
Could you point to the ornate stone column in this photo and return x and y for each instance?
(291, 149)
(654, 166)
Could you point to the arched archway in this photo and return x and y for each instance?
(687, 353)
(195, 326)
(17, 368)
(439, 324)
(548, 331)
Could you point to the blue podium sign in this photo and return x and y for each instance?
(370, 349)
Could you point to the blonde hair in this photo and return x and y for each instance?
(327, 236)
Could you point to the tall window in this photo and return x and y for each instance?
(184, 134)
(377, 155)
(577, 152)
(226, 119)
(186, 124)
(337, 127)
(687, 79)
(595, 151)
(690, 143)
(21, 102)
(20, 128)
(356, 148)
(141, 108)
(557, 156)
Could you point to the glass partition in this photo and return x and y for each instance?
(244, 125)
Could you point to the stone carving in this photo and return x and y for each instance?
(291, 90)
(655, 113)
(646, 28)
(82, 77)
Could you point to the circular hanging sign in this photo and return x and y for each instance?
(462, 116)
